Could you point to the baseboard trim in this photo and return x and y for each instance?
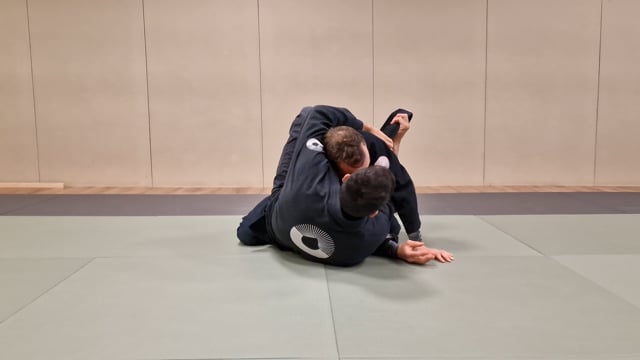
(59, 188)
(31, 185)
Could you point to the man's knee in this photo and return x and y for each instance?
(248, 237)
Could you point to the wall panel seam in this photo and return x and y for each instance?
(146, 71)
(33, 92)
(486, 67)
(595, 141)
(373, 63)
(260, 91)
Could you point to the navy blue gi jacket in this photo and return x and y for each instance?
(306, 217)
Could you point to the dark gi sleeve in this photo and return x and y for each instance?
(311, 122)
(404, 197)
(389, 247)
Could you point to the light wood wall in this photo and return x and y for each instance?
(202, 92)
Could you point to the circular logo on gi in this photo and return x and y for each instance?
(312, 240)
(315, 145)
(382, 161)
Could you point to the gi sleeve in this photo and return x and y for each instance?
(311, 122)
(404, 197)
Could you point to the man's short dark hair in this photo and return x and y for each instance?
(366, 191)
(343, 144)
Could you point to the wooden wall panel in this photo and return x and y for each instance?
(618, 143)
(206, 99)
(430, 58)
(18, 147)
(542, 79)
(90, 91)
(204, 92)
(312, 52)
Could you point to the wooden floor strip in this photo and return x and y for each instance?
(106, 190)
(31, 185)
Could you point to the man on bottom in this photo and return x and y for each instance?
(311, 213)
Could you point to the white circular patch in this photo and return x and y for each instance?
(383, 161)
(312, 240)
(315, 145)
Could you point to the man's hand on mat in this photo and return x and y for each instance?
(441, 255)
(379, 134)
(415, 252)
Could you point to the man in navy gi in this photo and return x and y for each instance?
(324, 217)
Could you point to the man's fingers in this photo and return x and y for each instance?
(444, 257)
(422, 259)
(420, 254)
(387, 140)
(448, 256)
(399, 117)
(414, 244)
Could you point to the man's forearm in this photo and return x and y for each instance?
(389, 248)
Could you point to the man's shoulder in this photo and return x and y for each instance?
(377, 148)
(372, 140)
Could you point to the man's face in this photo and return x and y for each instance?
(346, 169)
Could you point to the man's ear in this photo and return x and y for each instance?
(374, 214)
(344, 168)
(346, 177)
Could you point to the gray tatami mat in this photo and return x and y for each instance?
(573, 234)
(479, 306)
(523, 286)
